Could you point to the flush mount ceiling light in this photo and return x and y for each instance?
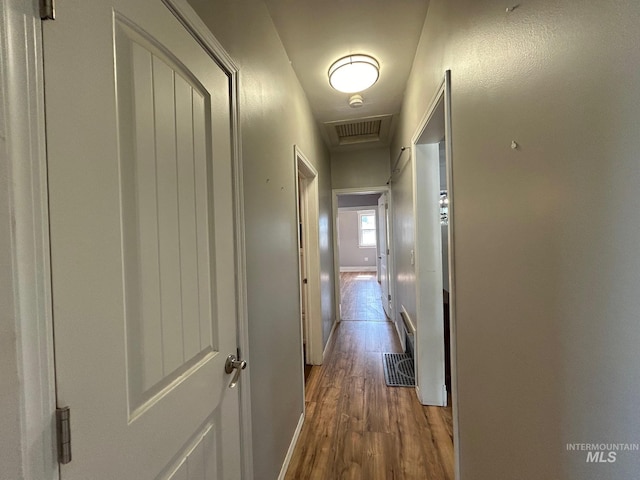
(354, 73)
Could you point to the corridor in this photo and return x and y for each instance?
(358, 428)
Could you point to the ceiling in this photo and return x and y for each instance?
(315, 33)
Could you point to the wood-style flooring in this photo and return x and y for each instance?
(358, 428)
(360, 297)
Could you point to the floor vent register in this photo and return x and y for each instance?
(398, 370)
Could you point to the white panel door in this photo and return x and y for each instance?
(142, 238)
(383, 248)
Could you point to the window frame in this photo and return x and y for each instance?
(362, 213)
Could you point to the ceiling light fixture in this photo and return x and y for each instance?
(354, 73)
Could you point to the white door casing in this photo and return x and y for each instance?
(383, 260)
(308, 177)
(142, 239)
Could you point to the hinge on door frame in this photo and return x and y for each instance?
(389, 297)
(47, 9)
(63, 428)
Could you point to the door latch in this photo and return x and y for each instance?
(232, 364)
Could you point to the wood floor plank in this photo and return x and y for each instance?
(376, 406)
(380, 456)
(348, 464)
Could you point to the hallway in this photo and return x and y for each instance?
(358, 428)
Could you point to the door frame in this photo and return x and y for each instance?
(309, 201)
(31, 279)
(336, 248)
(442, 94)
(28, 277)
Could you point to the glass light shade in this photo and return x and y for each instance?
(354, 73)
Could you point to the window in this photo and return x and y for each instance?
(367, 228)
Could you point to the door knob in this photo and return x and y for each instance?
(232, 364)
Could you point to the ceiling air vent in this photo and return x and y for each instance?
(360, 130)
(369, 128)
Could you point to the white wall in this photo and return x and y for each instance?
(546, 236)
(351, 254)
(361, 168)
(274, 115)
(358, 200)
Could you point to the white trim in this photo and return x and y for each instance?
(311, 235)
(194, 24)
(29, 271)
(452, 271)
(326, 347)
(292, 447)
(358, 269)
(429, 340)
(336, 252)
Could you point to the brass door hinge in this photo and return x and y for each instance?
(63, 427)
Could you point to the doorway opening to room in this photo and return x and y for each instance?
(362, 254)
(309, 262)
(434, 257)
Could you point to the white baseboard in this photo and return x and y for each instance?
(333, 329)
(292, 447)
(359, 269)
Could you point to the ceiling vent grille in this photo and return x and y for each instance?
(359, 130)
(356, 129)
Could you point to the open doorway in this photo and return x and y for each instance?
(435, 286)
(309, 261)
(362, 255)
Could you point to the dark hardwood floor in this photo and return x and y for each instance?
(358, 428)
(360, 297)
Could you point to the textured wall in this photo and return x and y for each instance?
(361, 168)
(274, 116)
(364, 200)
(546, 236)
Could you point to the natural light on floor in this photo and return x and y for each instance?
(363, 276)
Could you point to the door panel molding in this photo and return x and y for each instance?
(194, 24)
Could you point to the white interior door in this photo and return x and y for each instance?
(383, 253)
(140, 176)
